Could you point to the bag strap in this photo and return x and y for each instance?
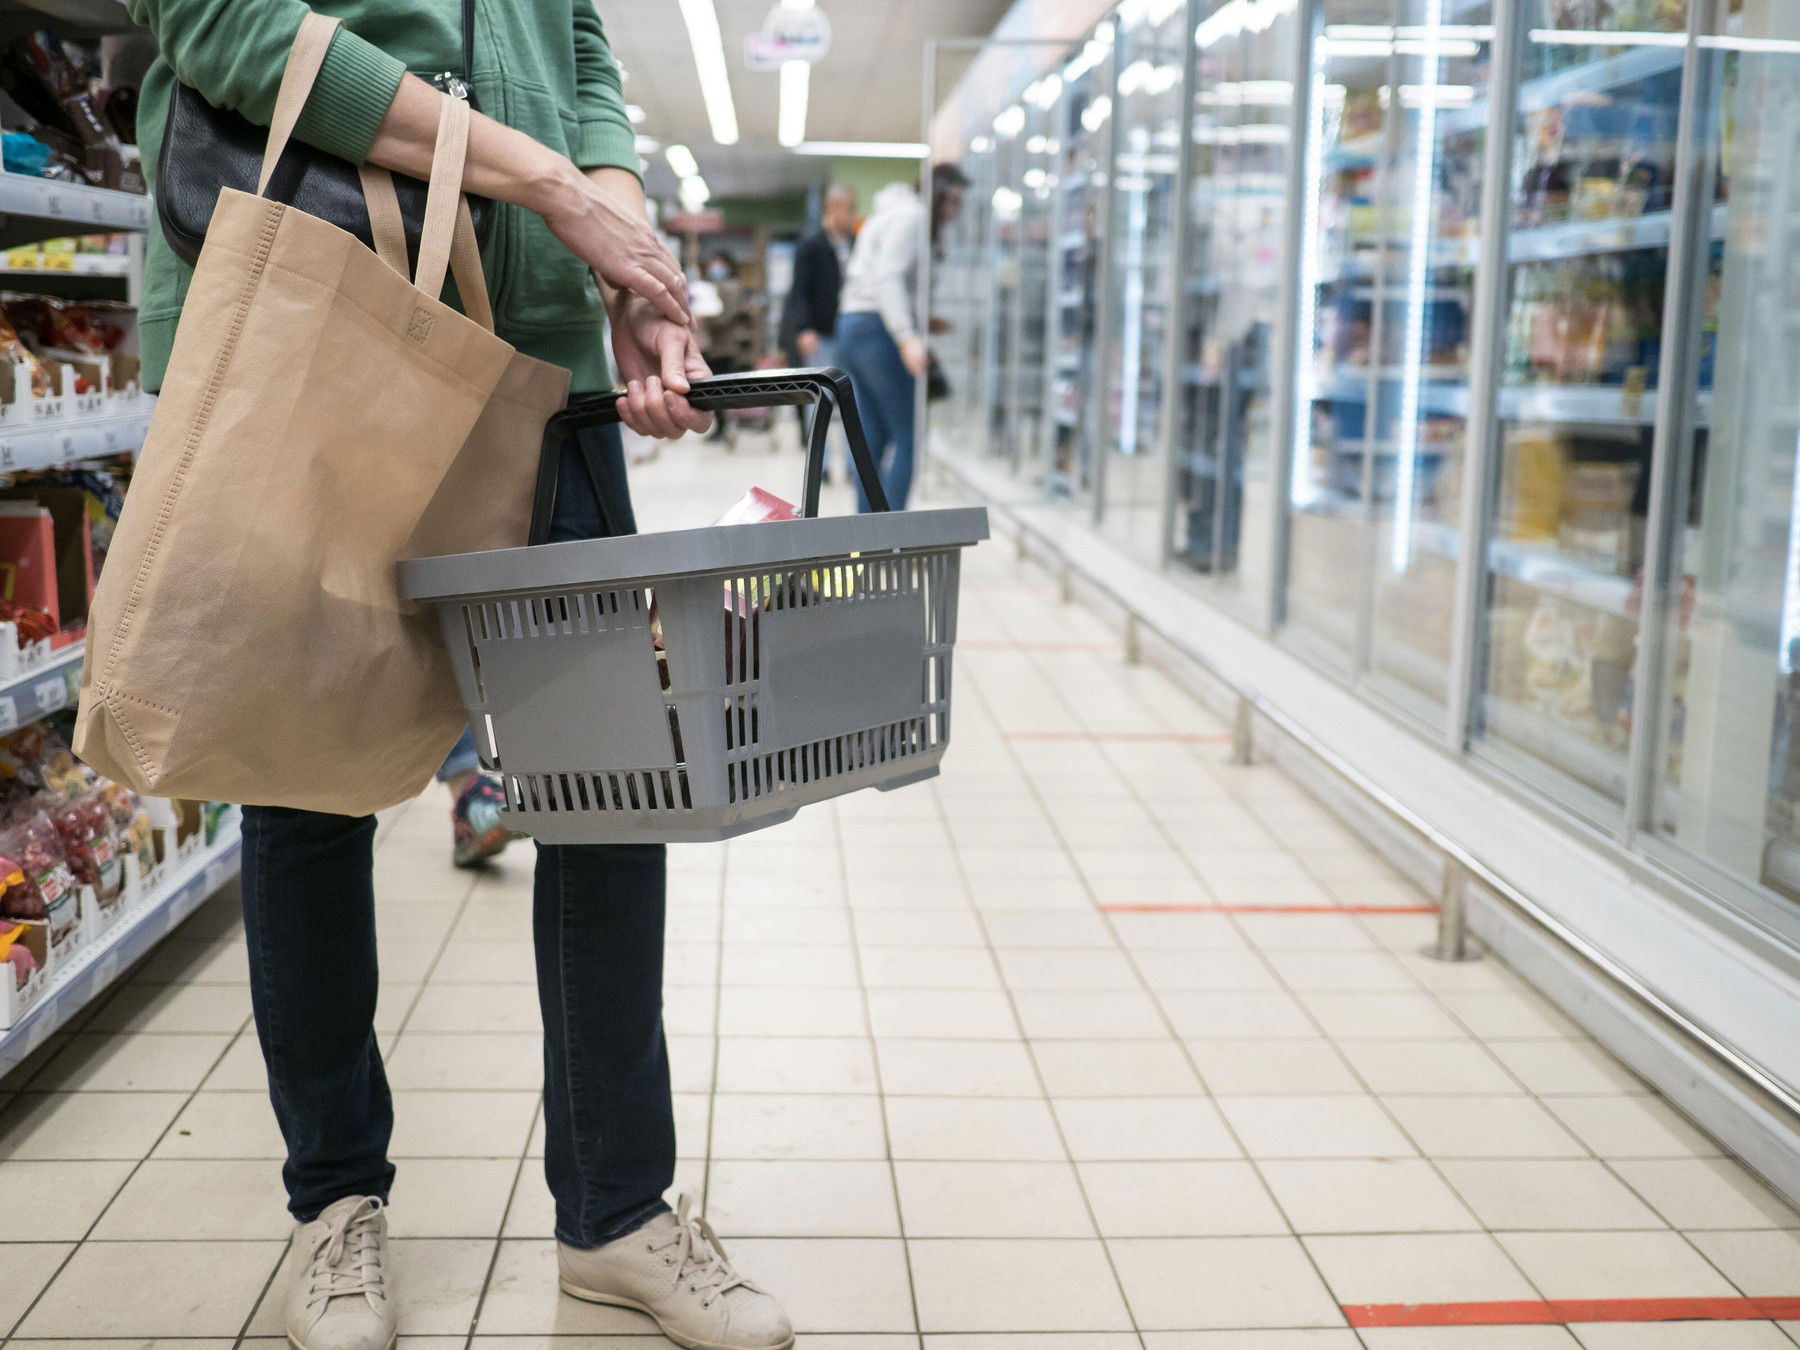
(305, 59)
(438, 231)
(388, 228)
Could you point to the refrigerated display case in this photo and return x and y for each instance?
(1588, 255)
(1727, 768)
(1241, 102)
(1150, 56)
(1078, 241)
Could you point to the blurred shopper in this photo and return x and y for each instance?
(809, 318)
(809, 315)
(880, 337)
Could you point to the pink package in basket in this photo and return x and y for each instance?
(753, 508)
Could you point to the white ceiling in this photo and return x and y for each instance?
(868, 88)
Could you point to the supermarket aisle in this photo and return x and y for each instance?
(1096, 1034)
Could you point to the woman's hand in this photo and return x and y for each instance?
(604, 225)
(657, 360)
(914, 356)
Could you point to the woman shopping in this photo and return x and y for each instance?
(571, 251)
(880, 339)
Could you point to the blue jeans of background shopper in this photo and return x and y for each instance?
(597, 921)
(884, 397)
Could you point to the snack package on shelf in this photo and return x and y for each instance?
(46, 556)
(94, 340)
(54, 82)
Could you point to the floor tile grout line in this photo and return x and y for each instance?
(136, 1166)
(718, 1012)
(487, 1278)
(887, 1141)
(1255, 1164)
(1456, 1016)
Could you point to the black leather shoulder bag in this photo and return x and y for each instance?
(205, 149)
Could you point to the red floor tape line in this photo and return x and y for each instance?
(1559, 1312)
(1268, 909)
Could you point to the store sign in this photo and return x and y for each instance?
(788, 35)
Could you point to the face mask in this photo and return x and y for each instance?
(718, 271)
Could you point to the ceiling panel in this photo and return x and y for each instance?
(866, 89)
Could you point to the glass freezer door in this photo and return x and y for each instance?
(1239, 140)
(1728, 769)
(1150, 53)
(1079, 198)
(1588, 257)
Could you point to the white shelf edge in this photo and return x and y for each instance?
(43, 689)
(97, 965)
(73, 203)
(57, 443)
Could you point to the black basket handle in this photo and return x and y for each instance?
(826, 386)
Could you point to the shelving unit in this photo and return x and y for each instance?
(42, 689)
(174, 895)
(42, 434)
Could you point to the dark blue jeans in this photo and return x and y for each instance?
(597, 922)
(884, 397)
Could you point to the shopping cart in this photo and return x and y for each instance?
(699, 684)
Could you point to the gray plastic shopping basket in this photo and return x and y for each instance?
(804, 659)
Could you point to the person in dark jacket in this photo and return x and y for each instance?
(809, 319)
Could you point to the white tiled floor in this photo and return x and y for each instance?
(933, 1093)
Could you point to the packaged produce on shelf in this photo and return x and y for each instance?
(39, 885)
(90, 841)
(86, 132)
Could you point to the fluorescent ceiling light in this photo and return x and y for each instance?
(796, 76)
(694, 193)
(681, 159)
(1010, 122)
(864, 149)
(709, 60)
(635, 113)
(648, 145)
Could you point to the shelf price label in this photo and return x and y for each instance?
(107, 970)
(9, 713)
(50, 695)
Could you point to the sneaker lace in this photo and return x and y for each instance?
(346, 1258)
(699, 1257)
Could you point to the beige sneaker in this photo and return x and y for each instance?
(674, 1269)
(338, 1295)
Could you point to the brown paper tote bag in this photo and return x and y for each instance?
(246, 643)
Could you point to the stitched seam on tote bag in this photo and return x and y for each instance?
(196, 429)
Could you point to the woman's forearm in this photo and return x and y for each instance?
(503, 164)
(599, 215)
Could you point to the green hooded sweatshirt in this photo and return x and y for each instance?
(541, 66)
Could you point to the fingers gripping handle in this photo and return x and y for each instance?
(827, 387)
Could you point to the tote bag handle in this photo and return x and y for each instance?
(447, 236)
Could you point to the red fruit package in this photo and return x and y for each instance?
(46, 890)
(86, 828)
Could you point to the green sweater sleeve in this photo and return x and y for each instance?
(233, 52)
(607, 139)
